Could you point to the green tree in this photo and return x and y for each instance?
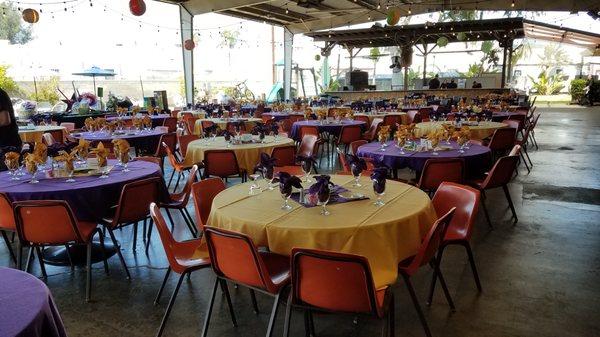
(547, 84)
(7, 83)
(11, 26)
(46, 91)
(374, 55)
(230, 39)
(553, 55)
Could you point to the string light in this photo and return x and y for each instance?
(512, 4)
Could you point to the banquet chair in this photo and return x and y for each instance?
(206, 124)
(309, 147)
(426, 254)
(175, 113)
(336, 283)
(532, 130)
(171, 123)
(48, 139)
(171, 140)
(436, 171)
(235, 258)
(184, 141)
(179, 201)
(412, 115)
(284, 155)
(425, 114)
(466, 201)
(523, 143)
(363, 118)
(516, 151)
(349, 134)
(33, 218)
(189, 123)
(68, 126)
(502, 141)
(7, 223)
(178, 167)
(184, 258)
(285, 125)
(295, 118)
(133, 207)
(356, 144)
(371, 134)
(499, 176)
(204, 192)
(222, 164)
(391, 121)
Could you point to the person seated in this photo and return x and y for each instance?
(444, 85)
(476, 85)
(434, 83)
(452, 84)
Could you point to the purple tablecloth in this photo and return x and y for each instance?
(332, 128)
(90, 197)
(146, 141)
(499, 116)
(477, 158)
(157, 120)
(277, 116)
(26, 307)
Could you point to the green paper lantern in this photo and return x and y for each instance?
(393, 16)
(442, 41)
(461, 36)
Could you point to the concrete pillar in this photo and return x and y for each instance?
(288, 43)
(187, 32)
(325, 74)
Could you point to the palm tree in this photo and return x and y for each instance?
(375, 55)
(230, 40)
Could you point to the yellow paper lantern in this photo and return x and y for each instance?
(393, 16)
(30, 15)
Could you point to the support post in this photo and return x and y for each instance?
(503, 81)
(288, 42)
(325, 73)
(186, 20)
(425, 53)
(510, 57)
(405, 78)
(351, 58)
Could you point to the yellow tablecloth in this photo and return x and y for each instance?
(385, 235)
(36, 134)
(195, 113)
(248, 155)
(478, 132)
(249, 123)
(403, 116)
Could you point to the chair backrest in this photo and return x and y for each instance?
(308, 146)
(190, 124)
(294, 118)
(184, 141)
(342, 158)
(411, 115)
(235, 257)
(363, 118)
(184, 195)
(436, 171)
(47, 223)
(171, 123)
(356, 144)
(285, 125)
(284, 155)
(308, 130)
(135, 200)
(166, 237)
(501, 173)
(391, 120)
(349, 133)
(169, 139)
(149, 159)
(48, 139)
(374, 128)
(7, 216)
(68, 126)
(512, 123)
(503, 139)
(466, 201)
(431, 242)
(204, 192)
(516, 150)
(333, 282)
(220, 163)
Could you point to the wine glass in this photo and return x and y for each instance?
(356, 171)
(379, 189)
(401, 142)
(34, 172)
(105, 172)
(307, 169)
(382, 140)
(434, 143)
(125, 160)
(254, 186)
(323, 199)
(269, 175)
(70, 169)
(12, 169)
(286, 192)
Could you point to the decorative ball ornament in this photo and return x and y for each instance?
(137, 7)
(393, 16)
(442, 41)
(189, 44)
(317, 57)
(30, 15)
(461, 36)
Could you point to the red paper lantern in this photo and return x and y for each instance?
(31, 15)
(137, 7)
(189, 44)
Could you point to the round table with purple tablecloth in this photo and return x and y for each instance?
(499, 116)
(145, 140)
(278, 116)
(330, 127)
(477, 158)
(27, 307)
(157, 120)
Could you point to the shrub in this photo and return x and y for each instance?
(577, 89)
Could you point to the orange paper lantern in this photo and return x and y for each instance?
(31, 15)
(137, 7)
(189, 44)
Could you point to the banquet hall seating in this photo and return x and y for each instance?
(179, 201)
(356, 144)
(413, 116)
(533, 124)
(363, 118)
(426, 255)
(516, 151)
(222, 164)
(502, 141)
(309, 147)
(133, 207)
(7, 223)
(48, 139)
(171, 123)
(33, 219)
(499, 176)
(189, 124)
(70, 127)
(436, 171)
(204, 192)
(334, 282)
(178, 167)
(235, 258)
(391, 121)
(466, 201)
(371, 134)
(184, 141)
(284, 155)
(184, 257)
(171, 140)
(524, 145)
(349, 134)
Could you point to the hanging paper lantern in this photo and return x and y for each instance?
(442, 41)
(317, 57)
(189, 44)
(137, 7)
(393, 16)
(31, 15)
(461, 36)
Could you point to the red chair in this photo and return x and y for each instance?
(235, 258)
(532, 130)
(371, 134)
(499, 176)
(48, 139)
(466, 201)
(184, 141)
(52, 223)
(502, 141)
(205, 125)
(356, 144)
(440, 170)
(190, 124)
(284, 155)
(171, 123)
(7, 223)
(179, 201)
(204, 192)
(184, 258)
(305, 130)
(523, 147)
(391, 121)
(412, 116)
(222, 164)
(427, 255)
(363, 118)
(337, 283)
(170, 139)
(349, 134)
(309, 147)
(178, 167)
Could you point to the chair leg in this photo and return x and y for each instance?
(273, 315)
(177, 183)
(170, 306)
(103, 250)
(19, 256)
(434, 277)
(170, 219)
(8, 246)
(510, 203)
(210, 307)
(135, 231)
(392, 316)
(225, 290)
(162, 286)
(472, 262)
(415, 300)
(525, 162)
(254, 303)
(307, 330)
(187, 222)
(527, 155)
(88, 276)
(118, 247)
(150, 226)
(487, 215)
(171, 179)
(191, 222)
(40, 257)
(29, 259)
(438, 271)
(288, 316)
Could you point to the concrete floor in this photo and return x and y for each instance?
(540, 276)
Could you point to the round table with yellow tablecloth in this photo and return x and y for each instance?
(249, 123)
(248, 155)
(384, 235)
(478, 132)
(34, 134)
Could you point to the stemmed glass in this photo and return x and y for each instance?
(382, 140)
(12, 169)
(285, 194)
(434, 143)
(70, 169)
(401, 142)
(379, 192)
(125, 160)
(323, 199)
(307, 169)
(254, 186)
(269, 176)
(105, 172)
(34, 171)
(356, 171)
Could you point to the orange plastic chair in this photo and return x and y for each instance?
(171, 140)
(309, 147)
(308, 130)
(178, 167)
(436, 171)
(34, 219)
(284, 155)
(502, 140)
(356, 144)
(204, 192)
(465, 200)
(7, 223)
(349, 134)
(336, 283)
(68, 126)
(371, 134)
(48, 139)
(179, 201)
(222, 164)
(171, 123)
(427, 255)
(184, 141)
(235, 258)
(363, 118)
(184, 258)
